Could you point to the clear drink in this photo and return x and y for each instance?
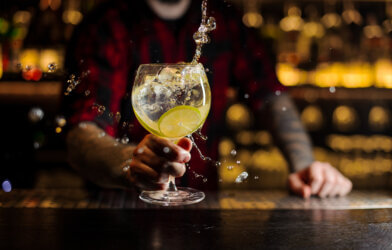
(171, 101)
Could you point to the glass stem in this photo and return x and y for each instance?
(172, 184)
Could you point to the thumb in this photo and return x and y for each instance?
(298, 186)
(185, 143)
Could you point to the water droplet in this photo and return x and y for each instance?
(60, 121)
(87, 92)
(124, 140)
(126, 168)
(6, 185)
(52, 67)
(101, 134)
(332, 89)
(115, 144)
(230, 167)
(256, 177)
(284, 108)
(246, 96)
(238, 162)
(111, 115)
(241, 177)
(36, 145)
(205, 180)
(233, 152)
(166, 150)
(140, 150)
(211, 24)
(278, 92)
(99, 108)
(218, 164)
(36, 114)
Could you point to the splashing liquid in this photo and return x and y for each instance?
(201, 37)
(202, 156)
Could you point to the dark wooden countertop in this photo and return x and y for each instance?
(76, 219)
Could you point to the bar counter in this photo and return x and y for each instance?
(80, 219)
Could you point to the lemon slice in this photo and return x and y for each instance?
(179, 121)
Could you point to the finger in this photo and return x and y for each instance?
(328, 184)
(148, 157)
(185, 143)
(316, 177)
(347, 186)
(138, 167)
(339, 185)
(145, 184)
(167, 149)
(298, 186)
(160, 164)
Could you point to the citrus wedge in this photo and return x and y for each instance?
(179, 121)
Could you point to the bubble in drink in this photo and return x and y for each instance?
(52, 67)
(233, 152)
(230, 168)
(35, 115)
(241, 177)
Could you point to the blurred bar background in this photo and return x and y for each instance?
(335, 57)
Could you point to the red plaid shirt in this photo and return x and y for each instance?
(116, 38)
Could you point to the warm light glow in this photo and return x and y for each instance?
(344, 118)
(225, 147)
(312, 117)
(379, 118)
(252, 19)
(352, 16)
(72, 16)
(238, 116)
(331, 20)
(245, 137)
(29, 57)
(291, 23)
(49, 56)
(372, 31)
(313, 29)
(22, 17)
(357, 75)
(58, 130)
(263, 138)
(383, 73)
(289, 75)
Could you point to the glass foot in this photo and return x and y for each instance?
(184, 196)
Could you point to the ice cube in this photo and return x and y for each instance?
(168, 74)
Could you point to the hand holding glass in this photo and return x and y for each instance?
(171, 101)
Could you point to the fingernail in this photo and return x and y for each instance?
(185, 156)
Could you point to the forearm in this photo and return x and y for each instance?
(289, 132)
(97, 156)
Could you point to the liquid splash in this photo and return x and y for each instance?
(72, 82)
(201, 37)
(241, 177)
(202, 156)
